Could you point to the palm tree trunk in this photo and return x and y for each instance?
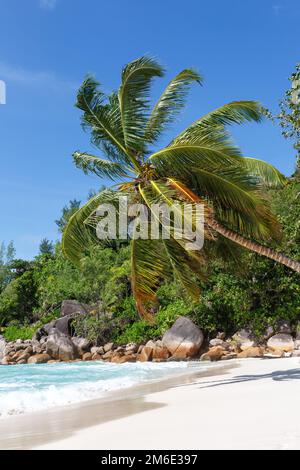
(253, 246)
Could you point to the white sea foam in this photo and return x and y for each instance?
(28, 388)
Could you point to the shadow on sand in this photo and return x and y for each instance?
(278, 376)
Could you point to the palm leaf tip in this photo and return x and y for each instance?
(133, 96)
(170, 103)
(104, 168)
(265, 172)
(87, 92)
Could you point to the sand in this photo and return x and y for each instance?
(247, 404)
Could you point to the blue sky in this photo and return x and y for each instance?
(245, 49)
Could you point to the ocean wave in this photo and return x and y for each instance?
(30, 388)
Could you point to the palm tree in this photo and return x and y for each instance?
(201, 164)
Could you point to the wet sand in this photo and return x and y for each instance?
(253, 406)
(55, 425)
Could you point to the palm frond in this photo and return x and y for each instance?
(170, 103)
(246, 211)
(186, 267)
(134, 100)
(79, 234)
(236, 112)
(149, 266)
(104, 168)
(101, 116)
(267, 173)
(207, 148)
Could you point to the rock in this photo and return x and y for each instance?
(20, 346)
(228, 356)
(283, 326)
(22, 361)
(120, 350)
(146, 354)
(97, 350)
(281, 342)
(24, 356)
(2, 347)
(122, 359)
(297, 343)
(219, 342)
(52, 346)
(72, 307)
(108, 346)
(61, 347)
(8, 349)
(108, 355)
(131, 348)
(269, 331)
(251, 352)
(297, 340)
(244, 339)
(221, 335)
(39, 359)
(213, 354)
(87, 356)
(36, 347)
(82, 345)
(67, 349)
(96, 357)
(60, 326)
(29, 350)
(53, 361)
(216, 342)
(118, 359)
(17, 355)
(296, 353)
(183, 339)
(160, 353)
(151, 344)
(63, 325)
(43, 331)
(5, 361)
(274, 354)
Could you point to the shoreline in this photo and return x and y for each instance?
(47, 427)
(237, 404)
(252, 406)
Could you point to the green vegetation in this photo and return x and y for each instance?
(289, 114)
(238, 288)
(259, 293)
(200, 165)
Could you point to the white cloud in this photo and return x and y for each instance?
(37, 78)
(48, 4)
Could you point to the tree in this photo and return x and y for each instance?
(67, 212)
(46, 247)
(289, 115)
(7, 255)
(200, 165)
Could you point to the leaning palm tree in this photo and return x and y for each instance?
(200, 165)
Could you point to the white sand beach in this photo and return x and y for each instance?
(247, 404)
(254, 406)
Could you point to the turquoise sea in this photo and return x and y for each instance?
(27, 388)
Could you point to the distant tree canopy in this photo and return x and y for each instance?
(289, 113)
(46, 247)
(67, 212)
